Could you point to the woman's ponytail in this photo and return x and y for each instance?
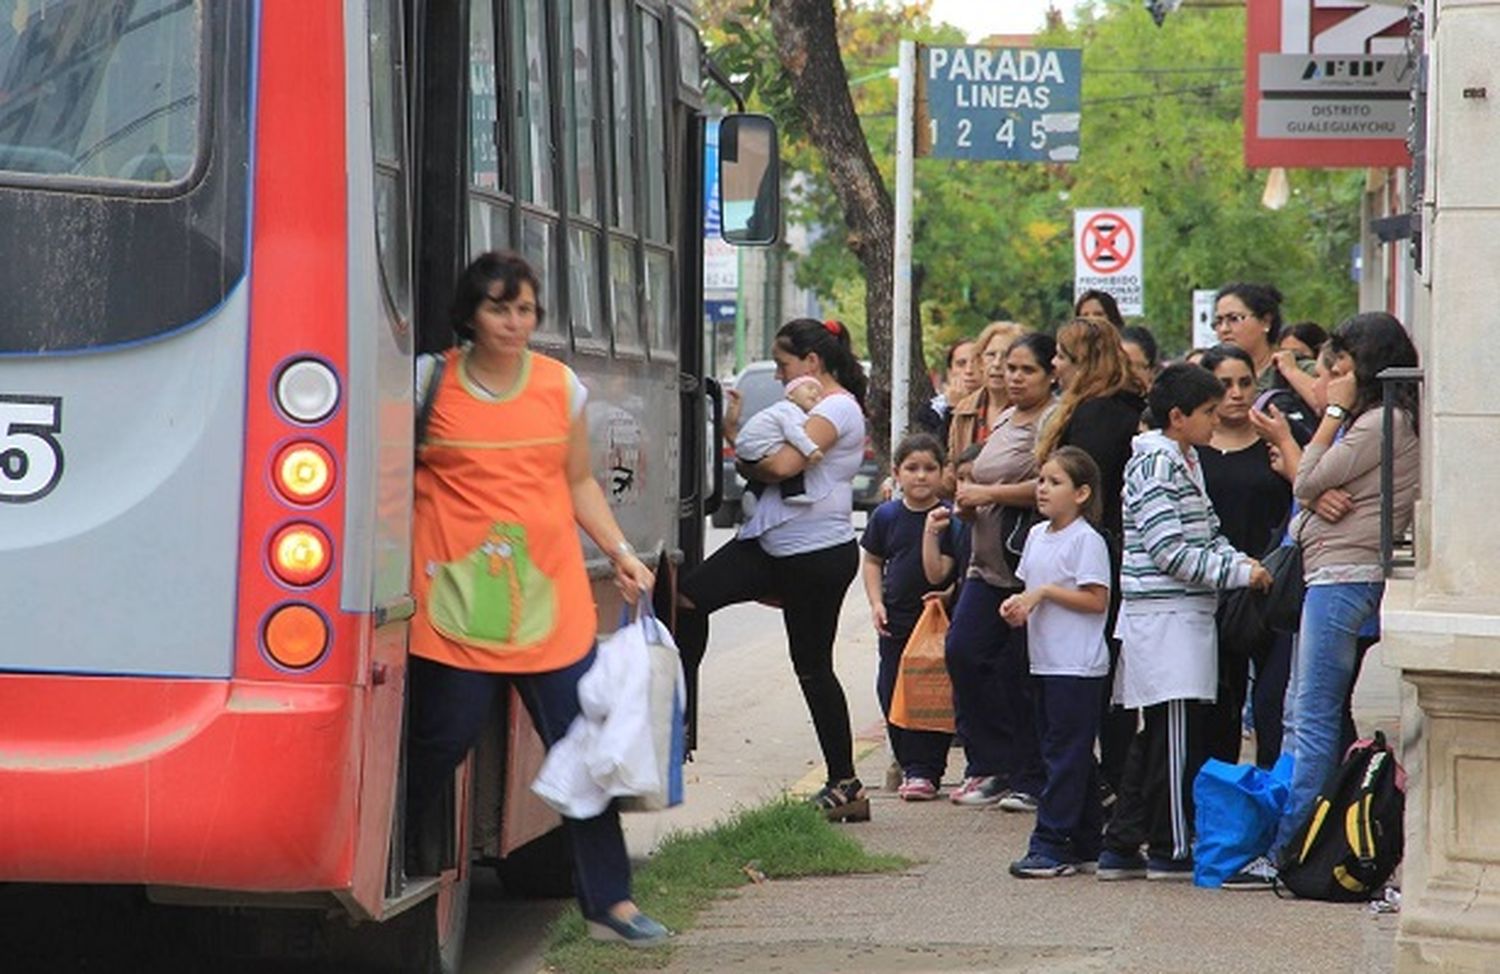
(830, 339)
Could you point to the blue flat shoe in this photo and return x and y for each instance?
(639, 931)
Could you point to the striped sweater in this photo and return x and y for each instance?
(1173, 548)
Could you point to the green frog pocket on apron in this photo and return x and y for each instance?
(496, 596)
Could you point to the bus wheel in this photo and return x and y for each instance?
(540, 869)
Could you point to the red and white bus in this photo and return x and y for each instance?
(226, 228)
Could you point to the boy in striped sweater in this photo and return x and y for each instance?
(1175, 563)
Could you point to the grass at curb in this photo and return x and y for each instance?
(785, 839)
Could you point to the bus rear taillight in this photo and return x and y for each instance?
(307, 391)
(295, 636)
(304, 473)
(300, 554)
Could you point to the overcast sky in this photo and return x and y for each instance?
(980, 18)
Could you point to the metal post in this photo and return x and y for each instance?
(906, 116)
(739, 310)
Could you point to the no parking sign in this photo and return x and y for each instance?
(1107, 256)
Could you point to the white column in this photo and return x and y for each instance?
(1442, 628)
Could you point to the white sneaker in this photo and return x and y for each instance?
(1018, 801)
(1259, 874)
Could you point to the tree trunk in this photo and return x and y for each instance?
(807, 45)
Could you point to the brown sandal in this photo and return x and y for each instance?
(843, 801)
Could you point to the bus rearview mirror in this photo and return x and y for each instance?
(749, 180)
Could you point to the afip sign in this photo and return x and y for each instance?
(1327, 84)
(1107, 256)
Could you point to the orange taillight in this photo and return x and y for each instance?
(296, 635)
(300, 554)
(303, 472)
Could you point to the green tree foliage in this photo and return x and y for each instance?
(1161, 130)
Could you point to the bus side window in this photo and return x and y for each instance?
(388, 108)
(624, 271)
(581, 171)
(490, 187)
(661, 323)
(536, 159)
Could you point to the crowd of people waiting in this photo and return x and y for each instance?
(1081, 508)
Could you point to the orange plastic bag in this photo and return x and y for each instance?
(924, 694)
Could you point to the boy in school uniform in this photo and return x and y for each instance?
(1175, 563)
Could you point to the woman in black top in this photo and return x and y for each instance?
(1252, 501)
(1100, 412)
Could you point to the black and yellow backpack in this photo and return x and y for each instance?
(1352, 841)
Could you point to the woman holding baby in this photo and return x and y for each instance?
(800, 555)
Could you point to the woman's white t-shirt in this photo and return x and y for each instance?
(1059, 640)
(793, 529)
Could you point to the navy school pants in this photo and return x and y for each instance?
(993, 701)
(449, 708)
(1069, 819)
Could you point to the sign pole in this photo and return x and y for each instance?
(906, 113)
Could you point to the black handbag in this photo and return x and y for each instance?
(1015, 524)
(1247, 619)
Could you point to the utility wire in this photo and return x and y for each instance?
(1194, 90)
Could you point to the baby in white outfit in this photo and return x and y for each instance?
(782, 422)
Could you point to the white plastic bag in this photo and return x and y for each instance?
(627, 740)
(667, 705)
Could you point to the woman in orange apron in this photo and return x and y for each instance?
(503, 483)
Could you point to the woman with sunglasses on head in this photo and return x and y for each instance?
(1249, 315)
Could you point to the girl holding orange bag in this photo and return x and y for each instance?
(895, 584)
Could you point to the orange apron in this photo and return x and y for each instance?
(497, 567)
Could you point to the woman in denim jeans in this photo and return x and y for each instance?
(1338, 483)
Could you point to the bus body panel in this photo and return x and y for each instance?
(199, 783)
(147, 503)
(376, 562)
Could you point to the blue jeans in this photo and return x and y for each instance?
(1324, 670)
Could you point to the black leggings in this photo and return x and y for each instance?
(810, 588)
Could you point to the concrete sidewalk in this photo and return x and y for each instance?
(958, 909)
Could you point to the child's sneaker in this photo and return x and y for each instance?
(1117, 865)
(964, 788)
(1170, 870)
(986, 791)
(914, 789)
(1018, 801)
(1038, 866)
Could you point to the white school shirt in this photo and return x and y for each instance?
(1063, 641)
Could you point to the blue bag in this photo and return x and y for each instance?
(1237, 809)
